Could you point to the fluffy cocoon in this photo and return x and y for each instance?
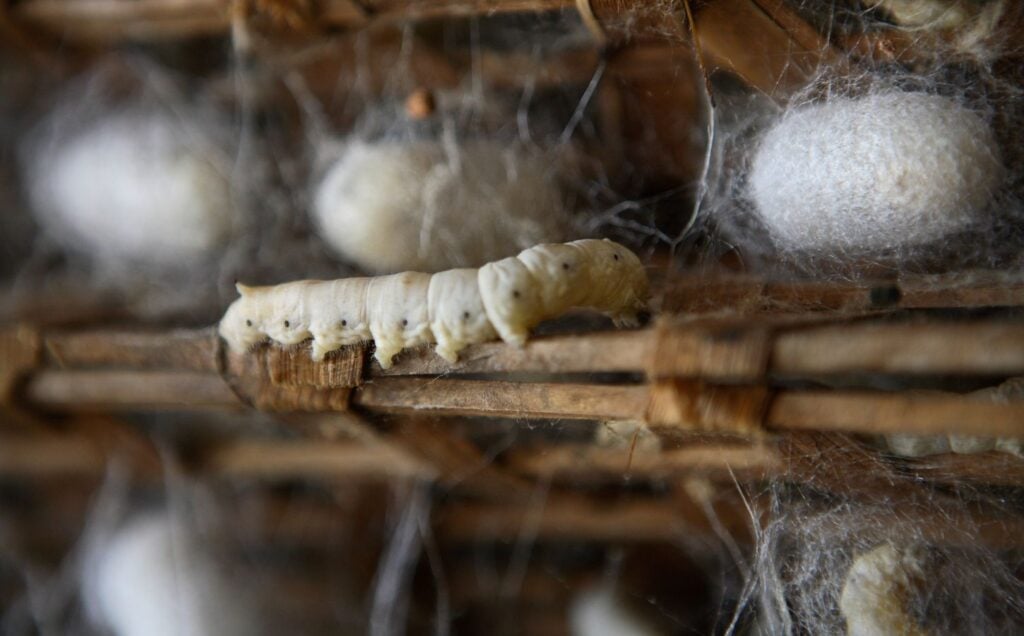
(600, 611)
(878, 590)
(152, 578)
(390, 206)
(873, 174)
(134, 187)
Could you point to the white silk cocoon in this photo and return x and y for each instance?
(598, 611)
(133, 187)
(391, 206)
(153, 578)
(882, 172)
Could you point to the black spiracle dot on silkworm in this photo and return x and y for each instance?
(287, 324)
(615, 256)
(344, 323)
(248, 323)
(565, 266)
(515, 293)
(465, 315)
(405, 322)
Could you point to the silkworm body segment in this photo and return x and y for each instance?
(454, 308)
(456, 312)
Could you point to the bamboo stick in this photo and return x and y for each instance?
(313, 459)
(503, 399)
(577, 518)
(178, 350)
(36, 456)
(578, 462)
(879, 413)
(107, 20)
(103, 390)
(733, 348)
(747, 295)
(992, 348)
(617, 351)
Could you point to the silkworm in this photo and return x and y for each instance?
(456, 312)
(454, 308)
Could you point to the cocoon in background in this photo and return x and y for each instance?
(390, 206)
(133, 188)
(154, 577)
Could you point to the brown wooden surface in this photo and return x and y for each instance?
(570, 518)
(111, 20)
(588, 463)
(723, 352)
(312, 459)
(101, 390)
(696, 406)
(28, 456)
(911, 413)
(503, 399)
(740, 37)
(292, 366)
(927, 348)
(100, 20)
(725, 348)
(177, 350)
(19, 354)
(615, 351)
(992, 467)
(750, 295)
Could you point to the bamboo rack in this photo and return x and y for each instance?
(730, 364)
(736, 383)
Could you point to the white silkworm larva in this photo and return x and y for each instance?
(455, 308)
(397, 308)
(456, 311)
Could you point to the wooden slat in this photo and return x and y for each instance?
(50, 456)
(100, 20)
(19, 353)
(971, 289)
(986, 468)
(733, 349)
(618, 351)
(737, 35)
(111, 20)
(749, 295)
(249, 375)
(312, 459)
(795, 26)
(876, 413)
(587, 463)
(697, 406)
(292, 366)
(177, 350)
(925, 348)
(129, 390)
(503, 399)
(734, 352)
(572, 518)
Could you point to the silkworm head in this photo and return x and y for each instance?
(241, 325)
